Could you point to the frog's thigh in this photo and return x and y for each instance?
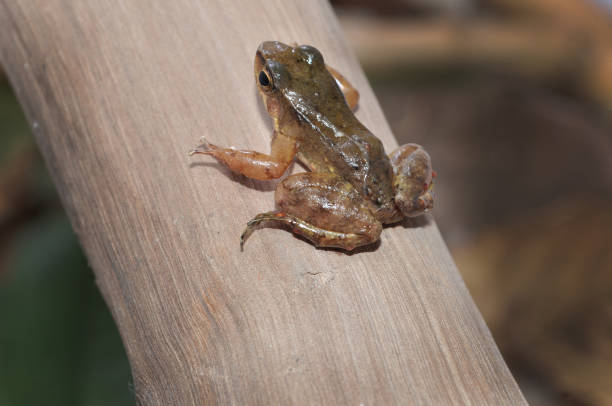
(351, 95)
(326, 210)
(255, 164)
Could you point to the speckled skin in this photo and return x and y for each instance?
(353, 187)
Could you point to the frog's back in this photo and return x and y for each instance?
(331, 139)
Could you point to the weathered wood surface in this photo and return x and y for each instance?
(117, 93)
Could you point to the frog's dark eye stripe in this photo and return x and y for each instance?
(264, 79)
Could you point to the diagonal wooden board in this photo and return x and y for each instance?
(117, 93)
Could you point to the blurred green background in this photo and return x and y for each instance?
(513, 100)
(58, 342)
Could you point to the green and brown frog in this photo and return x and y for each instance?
(353, 188)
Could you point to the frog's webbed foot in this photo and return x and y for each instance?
(412, 179)
(324, 209)
(205, 148)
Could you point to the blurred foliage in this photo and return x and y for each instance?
(13, 126)
(551, 308)
(58, 341)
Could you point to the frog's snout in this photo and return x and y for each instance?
(270, 48)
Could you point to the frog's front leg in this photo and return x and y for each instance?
(323, 208)
(251, 163)
(351, 95)
(412, 179)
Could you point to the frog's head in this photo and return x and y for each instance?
(292, 77)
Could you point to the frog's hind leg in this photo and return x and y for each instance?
(412, 179)
(351, 95)
(318, 236)
(324, 209)
(254, 164)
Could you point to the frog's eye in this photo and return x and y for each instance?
(264, 79)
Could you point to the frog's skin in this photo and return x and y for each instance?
(353, 187)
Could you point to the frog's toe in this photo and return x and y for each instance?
(205, 148)
(245, 234)
(412, 207)
(254, 223)
(426, 201)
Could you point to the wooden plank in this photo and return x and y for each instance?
(117, 93)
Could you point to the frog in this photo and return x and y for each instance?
(351, 188)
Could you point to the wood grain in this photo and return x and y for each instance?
(117, 93)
